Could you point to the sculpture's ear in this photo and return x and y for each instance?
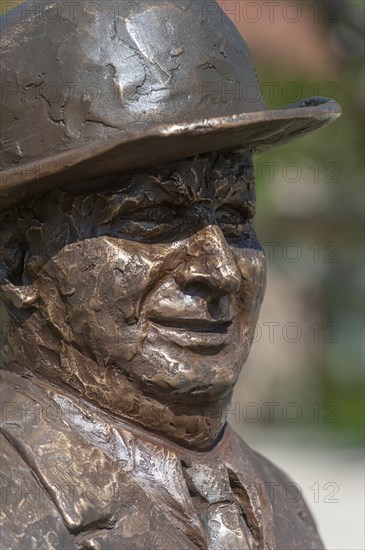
(21, 297)
(12, 254)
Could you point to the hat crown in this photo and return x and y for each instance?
(77, 75)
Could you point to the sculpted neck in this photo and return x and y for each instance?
(195, 427)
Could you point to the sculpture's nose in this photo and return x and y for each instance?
(209, 263)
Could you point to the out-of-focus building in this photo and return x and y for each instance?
(303, 37)
(289, 36)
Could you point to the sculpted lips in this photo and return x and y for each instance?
(193, 332)
(194, 325)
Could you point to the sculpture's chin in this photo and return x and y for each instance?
(190, 375)
(206, 380)
(196, 395)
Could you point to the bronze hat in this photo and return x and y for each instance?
(95, 88)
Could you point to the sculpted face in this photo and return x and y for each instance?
(158, 280)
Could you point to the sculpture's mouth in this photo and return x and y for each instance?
(194, 325)
(194, 332)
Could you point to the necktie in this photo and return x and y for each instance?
(216, 505)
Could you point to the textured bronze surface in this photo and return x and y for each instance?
(130, 297)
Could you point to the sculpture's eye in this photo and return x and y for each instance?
(233, 223)
(149, 223)
(153, 214)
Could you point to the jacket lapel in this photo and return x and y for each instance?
(249, 489)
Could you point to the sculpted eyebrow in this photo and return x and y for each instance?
(146, 190)
(144, 199)
(244, 208)
(239, 198)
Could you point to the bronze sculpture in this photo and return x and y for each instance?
(132, 279)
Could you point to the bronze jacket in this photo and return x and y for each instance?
(73, 477)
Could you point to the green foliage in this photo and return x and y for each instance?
(332, 163)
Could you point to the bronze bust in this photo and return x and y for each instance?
(132, 278)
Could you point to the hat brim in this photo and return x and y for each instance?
(258, 131)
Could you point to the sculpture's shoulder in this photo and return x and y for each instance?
(284, 493)
(289, 506)
(292, 523)
(29, 518)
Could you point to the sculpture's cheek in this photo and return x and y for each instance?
(100, 285)
(252, 267)
(131, 272)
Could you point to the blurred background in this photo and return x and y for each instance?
(299, 400)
